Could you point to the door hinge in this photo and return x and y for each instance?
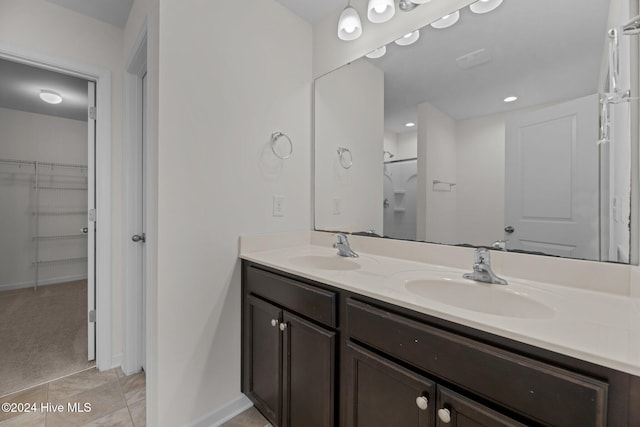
(92, 316)
(92, 214)
(92, 113)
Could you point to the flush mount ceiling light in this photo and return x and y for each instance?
(50, 97)
(379, 11)
(409, 38)
(378, 53)
(484, 6)
(410, 124)
(349, 24)
(447, 20)
(510, 99)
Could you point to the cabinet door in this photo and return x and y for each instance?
(458, 411)
(382, 393)
(309, 381)
(264, 357)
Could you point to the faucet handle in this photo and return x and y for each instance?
(342, 239)
(482, 256)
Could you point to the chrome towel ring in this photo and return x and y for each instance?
(346, 158)
(274, 139)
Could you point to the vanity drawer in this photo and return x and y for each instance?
(541, 392)
(307, 300)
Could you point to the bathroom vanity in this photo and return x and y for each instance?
(352, 349)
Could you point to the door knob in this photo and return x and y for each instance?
(139, 238)
(84, 230)
(422, 402)
(509, 229)
(444, 415)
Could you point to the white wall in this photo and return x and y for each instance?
(229, 79)
(480, 145)
(349, 113)
(436, 220)
(407, 146)
(36, 137)
(45, 28)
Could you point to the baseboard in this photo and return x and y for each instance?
(54, 281)
(116, 360)
(224, 413)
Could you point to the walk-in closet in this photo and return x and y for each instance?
(45, 186)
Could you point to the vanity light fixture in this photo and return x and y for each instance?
(420, 1)
(510, 99)
(50, 97)
(349, 24)
(410, 124)
(447, 20)
(409, 38)
(378, 53)
(379, 11)
(484, 6)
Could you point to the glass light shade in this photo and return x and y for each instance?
(484, 6)
(420, 1)
(378, 53)
(349, 24)
(408, 39)
(50, 97)
(447, 21)
(379, 11)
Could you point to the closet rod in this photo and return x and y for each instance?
(49, 164)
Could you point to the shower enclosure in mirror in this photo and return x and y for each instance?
(488, 131)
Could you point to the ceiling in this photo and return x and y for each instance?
(313, 10)
(114, 12)
(20, 87)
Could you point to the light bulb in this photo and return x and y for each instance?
(349, 24)
(484, 6)
(379, 11)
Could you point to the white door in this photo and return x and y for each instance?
(552, 180)
(143, 214)
(91, 223)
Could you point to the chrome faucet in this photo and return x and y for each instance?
(482, 269)
(343, 246)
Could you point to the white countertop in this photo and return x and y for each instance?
(598, 327)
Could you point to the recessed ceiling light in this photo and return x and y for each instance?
(510, 98)
(410, 124)
(484, 6)
(50, 96)
(447, 20)
(378, 53)
(409, 38)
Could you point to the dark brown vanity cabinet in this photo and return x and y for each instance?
(288, 360)
(314, 355)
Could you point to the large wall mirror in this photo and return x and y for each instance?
(492, 131)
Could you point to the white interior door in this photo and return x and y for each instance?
(91, 223)
(143, 215)
(552, 180)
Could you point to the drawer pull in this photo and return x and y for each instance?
(444, 415)
(422, 402)
(283, 326)
(274, 322)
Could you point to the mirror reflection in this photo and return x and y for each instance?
(487, 132)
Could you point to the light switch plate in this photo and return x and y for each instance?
(278, 205)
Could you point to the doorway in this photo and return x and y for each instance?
(47, 188)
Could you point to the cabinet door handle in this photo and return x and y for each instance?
(444, 415)
(274, 322)
(283, 326)
(422, 402)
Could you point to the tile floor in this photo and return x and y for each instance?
(115, 400)
(249, 418)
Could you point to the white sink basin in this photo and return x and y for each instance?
(485, 298)
(318, 262)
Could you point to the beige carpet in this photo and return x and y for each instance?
(43, 334)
